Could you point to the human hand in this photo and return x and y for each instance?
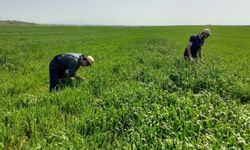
(191, 59)
(66, 73)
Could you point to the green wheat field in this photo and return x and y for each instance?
(139, 94)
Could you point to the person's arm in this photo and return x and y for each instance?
(73, 66)
(73, 77)
(201, 54)
(189, 50)
(71, 72)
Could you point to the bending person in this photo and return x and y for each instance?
(195, 44)
(64, 66)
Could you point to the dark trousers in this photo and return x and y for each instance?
(186, 57)
(56, 73)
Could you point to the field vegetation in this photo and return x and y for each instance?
(139, 94)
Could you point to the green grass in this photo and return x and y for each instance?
(140, 93)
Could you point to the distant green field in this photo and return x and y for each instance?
(139, 94)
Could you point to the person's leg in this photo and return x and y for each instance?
(185, 55)
(54, 78)
(62, 76)
(194, 57)
(186, 58)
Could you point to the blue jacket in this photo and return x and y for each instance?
(71, 63)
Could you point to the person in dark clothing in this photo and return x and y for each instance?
(65, 66)
(195, 44)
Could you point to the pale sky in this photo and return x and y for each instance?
(128, 12)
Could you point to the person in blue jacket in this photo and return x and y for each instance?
(194, 46)
(65, 66)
